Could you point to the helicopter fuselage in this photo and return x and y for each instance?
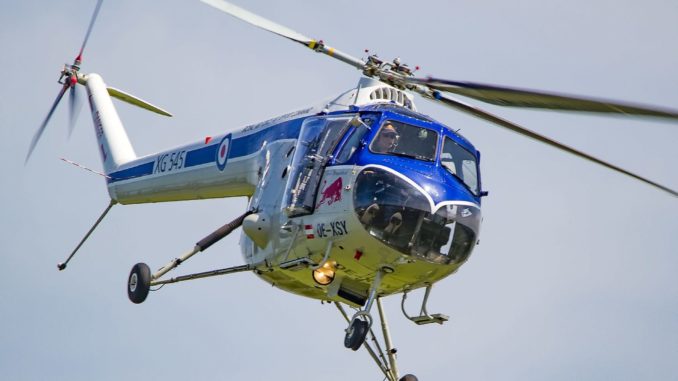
(330, 208)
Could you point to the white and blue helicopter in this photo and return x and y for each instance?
(350, 200)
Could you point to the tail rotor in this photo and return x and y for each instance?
(69, 79)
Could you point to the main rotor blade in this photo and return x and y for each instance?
(38, 133)
(258, 21)
(540, 138)
(89, 29)
(514, 97)
(283, 31)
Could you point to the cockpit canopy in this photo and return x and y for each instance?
(425, 151)
(397, 138)
(398, 213)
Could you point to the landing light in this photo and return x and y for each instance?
(324, 275)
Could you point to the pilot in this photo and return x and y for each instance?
(386, 140)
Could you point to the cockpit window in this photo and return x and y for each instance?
(460, 163)
(401, 139)
(352, 143)
(317, 139)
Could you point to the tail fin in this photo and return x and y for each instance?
(114, 145)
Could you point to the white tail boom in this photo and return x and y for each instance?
(114, 145)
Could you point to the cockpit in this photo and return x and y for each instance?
(417, 189)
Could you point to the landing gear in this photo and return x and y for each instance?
(356, 334)
(361, 324)
(140, 278)
(139, 283)
(355, 338)
(362, 319)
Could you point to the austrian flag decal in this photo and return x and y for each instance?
(309, 231)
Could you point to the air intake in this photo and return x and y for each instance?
(393, 95)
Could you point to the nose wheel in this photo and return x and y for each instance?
(356, 334)
(362, 321)
(359, 327)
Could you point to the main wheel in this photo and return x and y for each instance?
(139, 283)
(356, 334)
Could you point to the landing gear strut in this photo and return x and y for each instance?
(140, 278)
(362, 320)
(361, 324)
(385, 360)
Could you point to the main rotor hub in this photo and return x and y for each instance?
(393, 73)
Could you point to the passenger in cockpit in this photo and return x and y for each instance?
(386, 200)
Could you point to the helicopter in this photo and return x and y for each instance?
(315, 252)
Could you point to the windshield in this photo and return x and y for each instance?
(401, 139)
(460, 163)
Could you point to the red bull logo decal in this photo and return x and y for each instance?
(331, 193)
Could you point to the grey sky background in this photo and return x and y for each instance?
(574, 277)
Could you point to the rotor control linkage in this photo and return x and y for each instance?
(202, 245)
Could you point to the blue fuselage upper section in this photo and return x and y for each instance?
(438, 182)
(227, 165)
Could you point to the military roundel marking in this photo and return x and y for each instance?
(222, 152)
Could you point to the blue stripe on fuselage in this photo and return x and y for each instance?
(200, 156)
(241, 146)
(129, 173)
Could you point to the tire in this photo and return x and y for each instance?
(409, 377)
(139, 283)
(356, 334)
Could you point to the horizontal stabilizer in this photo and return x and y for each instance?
(131, 99)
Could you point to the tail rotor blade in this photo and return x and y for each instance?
(38, 133)
(89, 30)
